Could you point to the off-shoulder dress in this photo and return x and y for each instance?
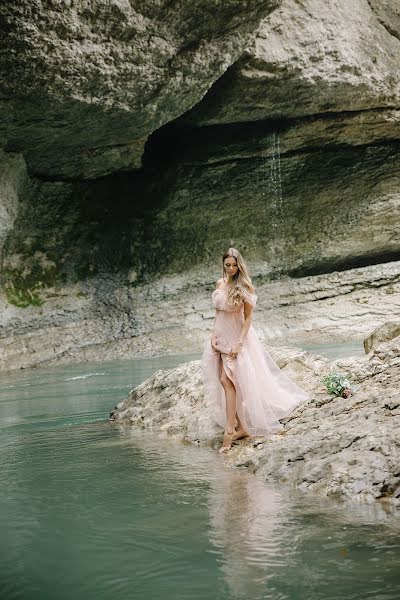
(264, 394)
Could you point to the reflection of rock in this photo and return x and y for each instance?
(382, 333)
(344, 448)
(257, 532)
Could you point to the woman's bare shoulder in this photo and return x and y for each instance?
(220, 283)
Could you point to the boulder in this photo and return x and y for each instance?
(382, 333)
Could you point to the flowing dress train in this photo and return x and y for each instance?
(264, 394)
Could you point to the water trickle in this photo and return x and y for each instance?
(271, 186)
(273, 177)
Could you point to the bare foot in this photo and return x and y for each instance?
(227, 441)
(240, 434)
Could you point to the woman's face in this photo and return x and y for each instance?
(230, 266)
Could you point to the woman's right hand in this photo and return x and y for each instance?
(235, 351)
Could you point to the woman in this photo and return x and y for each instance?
(244, 387)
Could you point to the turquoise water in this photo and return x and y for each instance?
(91, 511)
(338, 350)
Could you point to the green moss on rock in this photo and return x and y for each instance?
(24, 278)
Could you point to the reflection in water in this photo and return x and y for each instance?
(248, 520)
(272, 542)
(247, 530)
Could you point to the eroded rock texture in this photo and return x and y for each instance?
(13, 181)
(311, 58)
(305, 171)
(85, 82)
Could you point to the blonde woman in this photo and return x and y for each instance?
(244, 387)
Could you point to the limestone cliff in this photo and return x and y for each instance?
(85, 82)
(140, 139)
(304, 170)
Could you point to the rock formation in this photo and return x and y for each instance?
(383, 333)
(309, 151)
(341, 448)
(85, 83)
(312, 59)
(139, 141)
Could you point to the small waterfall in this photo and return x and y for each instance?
(272, 186)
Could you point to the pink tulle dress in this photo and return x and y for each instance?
(264, 394)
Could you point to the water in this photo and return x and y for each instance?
(338, 350)
(91, 511)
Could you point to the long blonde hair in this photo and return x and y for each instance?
(241, 285)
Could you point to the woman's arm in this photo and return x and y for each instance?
(248, 317)
(219, 284)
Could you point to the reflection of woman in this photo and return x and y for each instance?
(244, 387)
(247, 518)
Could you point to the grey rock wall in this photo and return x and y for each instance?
(311, 58)
(13, 183)
(294, 150)
(303, 210)
(105, 319)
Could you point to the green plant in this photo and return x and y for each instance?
(22, 297)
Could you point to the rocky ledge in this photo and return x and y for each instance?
(342, 448)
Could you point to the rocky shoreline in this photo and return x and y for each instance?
(339, 448)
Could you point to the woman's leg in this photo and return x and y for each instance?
(230, 400)
(240, 431)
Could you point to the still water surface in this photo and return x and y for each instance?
(88, 511)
